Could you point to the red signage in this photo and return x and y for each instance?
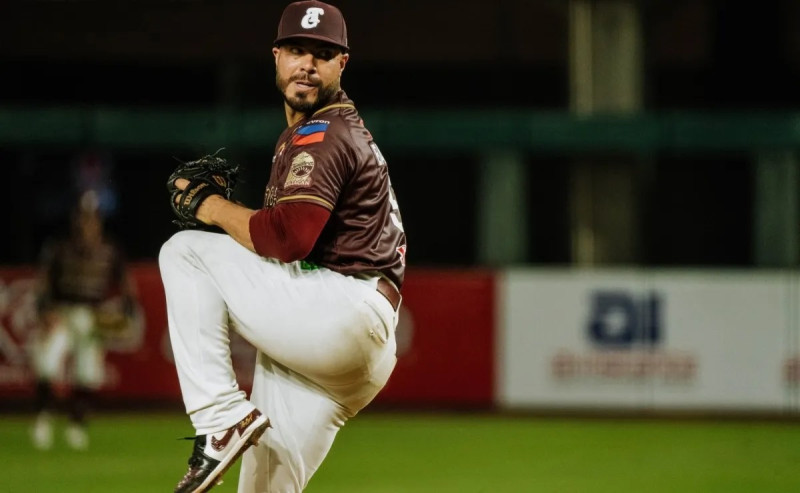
(445, 342)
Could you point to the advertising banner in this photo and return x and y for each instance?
(17, 322)
(139, 361)
(445, 342)
(644, 340)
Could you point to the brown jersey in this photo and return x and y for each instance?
(75, 274)
(331, 160)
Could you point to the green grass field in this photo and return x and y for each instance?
(393, 453)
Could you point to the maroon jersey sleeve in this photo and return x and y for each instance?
(287, 231)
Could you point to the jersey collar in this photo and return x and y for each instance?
(331, 107)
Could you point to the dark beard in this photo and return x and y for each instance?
(304, 105)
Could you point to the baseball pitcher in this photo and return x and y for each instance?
(312, 278)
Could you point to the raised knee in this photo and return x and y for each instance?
(175, 247)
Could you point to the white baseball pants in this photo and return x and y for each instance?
(326, 347)
(73, 336)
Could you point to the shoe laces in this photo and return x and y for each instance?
(199, 444)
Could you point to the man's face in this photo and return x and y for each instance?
(307, 73)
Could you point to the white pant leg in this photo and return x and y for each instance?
(198, 328)
(88, 355)
(304, 421)
(334, 331)
(306, 414)
(49, 352)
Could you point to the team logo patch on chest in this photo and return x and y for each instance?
(311, 132)
(300, 172)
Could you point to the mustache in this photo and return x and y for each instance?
(310, 79)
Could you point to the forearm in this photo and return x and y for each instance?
(230, 216)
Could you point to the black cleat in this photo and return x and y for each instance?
(213, 454)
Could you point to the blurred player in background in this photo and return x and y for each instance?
(84, 294)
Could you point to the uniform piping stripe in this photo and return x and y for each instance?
(313, 198)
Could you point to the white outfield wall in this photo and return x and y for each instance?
(648, 340)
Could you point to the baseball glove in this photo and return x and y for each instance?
(209, 175)
(118, 323)
(109, 320)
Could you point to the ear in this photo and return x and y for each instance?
(275, 52)
(343, 60)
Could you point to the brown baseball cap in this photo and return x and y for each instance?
(314, 20)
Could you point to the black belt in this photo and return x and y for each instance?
(389, 292)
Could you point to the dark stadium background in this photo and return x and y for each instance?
(700, 56)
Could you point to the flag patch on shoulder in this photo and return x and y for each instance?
(311, 132)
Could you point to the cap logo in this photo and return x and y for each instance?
(311, 19)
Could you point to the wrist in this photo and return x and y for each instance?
(208, 212)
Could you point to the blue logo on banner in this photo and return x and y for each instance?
(622, 319)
